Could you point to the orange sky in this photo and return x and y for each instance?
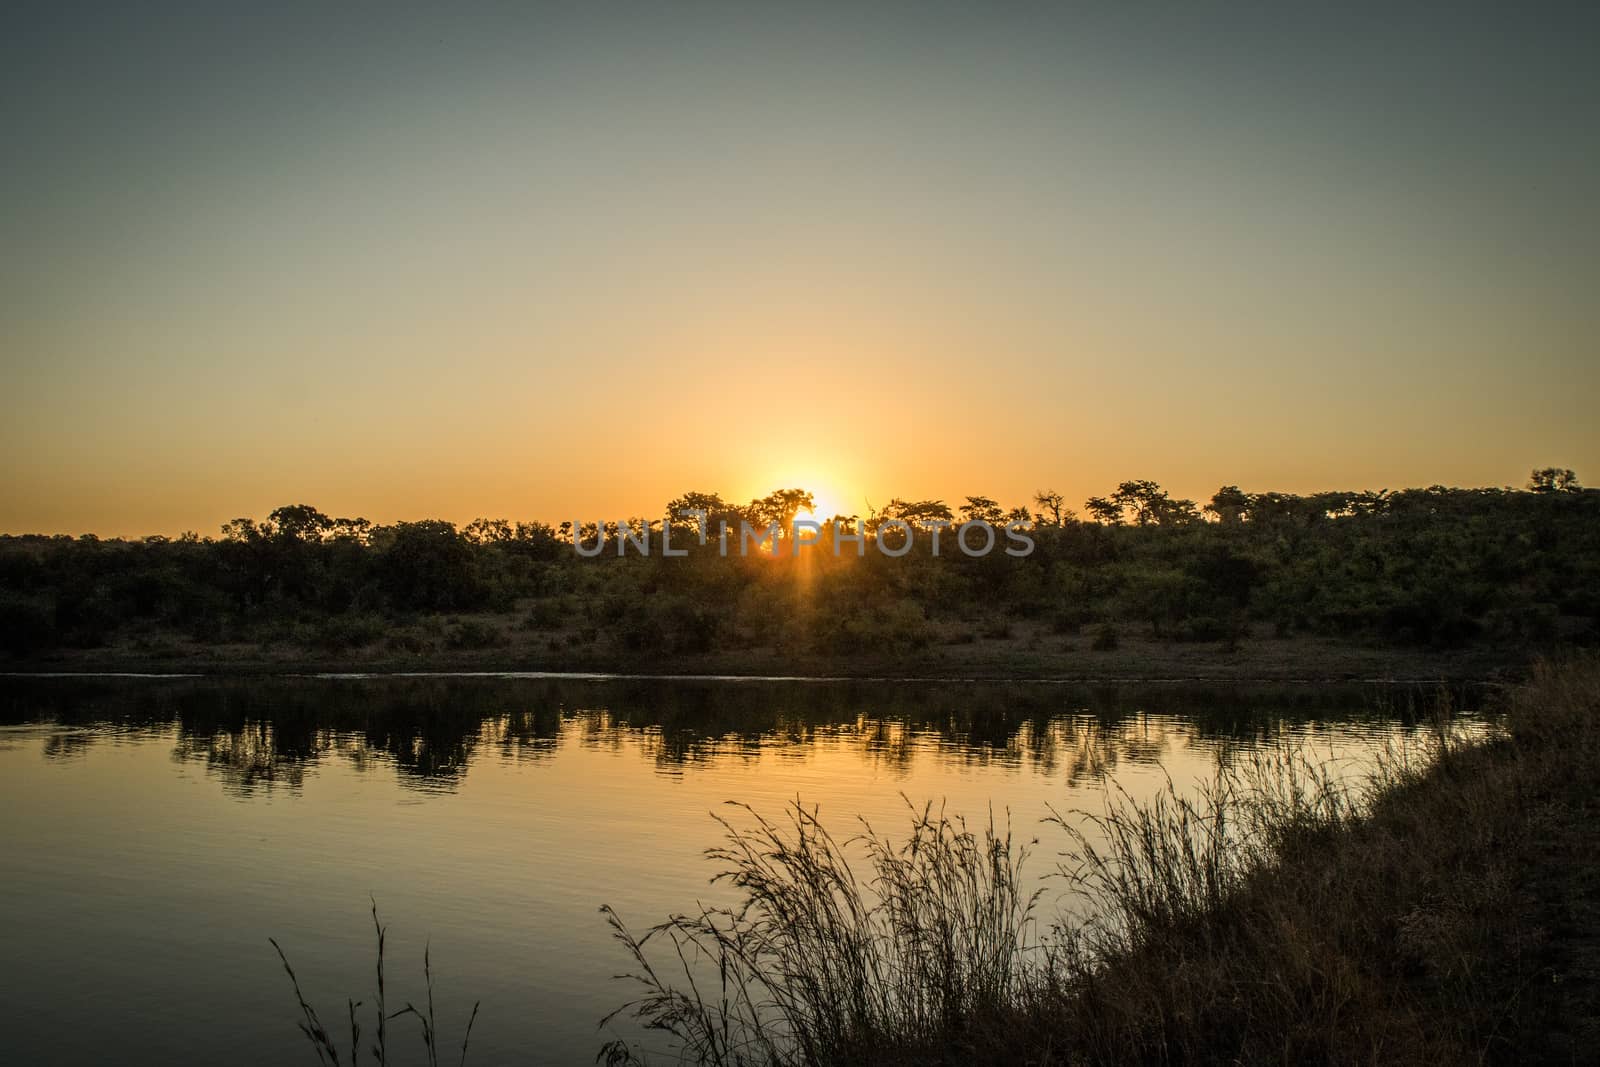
(573, 266)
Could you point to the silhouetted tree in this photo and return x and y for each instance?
(1103, 510)
(487, 531)
(983, 509)
(1553, 480)
(1052, 505)
(1150, 504)
(351, 530)
(921, 514)
(300, 522)
(780, 506)
(427, 566)
(1229, 504)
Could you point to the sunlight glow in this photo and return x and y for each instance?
(824, 505)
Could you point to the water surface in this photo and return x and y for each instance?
(157, 831)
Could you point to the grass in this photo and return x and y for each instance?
(1446, 909)
(322, 1041)
(813, 963)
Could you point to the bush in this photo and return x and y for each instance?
(996, 629)
(637, 630)
(1067, 620)
(694, 628)
(1528, 622)
(472, 634)
(414, 644)
(26, 625)
(342, 633)
(1105, 638)
(547, 613)
(1205, 628)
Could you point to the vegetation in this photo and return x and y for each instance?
(1444, 911)
(816, 966)
(1424, 568)
(327, 1048)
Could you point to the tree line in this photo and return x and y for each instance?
(1435, 566)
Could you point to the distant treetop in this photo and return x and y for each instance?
(1553, 480)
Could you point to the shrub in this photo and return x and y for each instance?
(547, 613)
(342, 633)
(472, 634)
(1067, 620)
(26, 625)
(414, 644)
(637, 630)
(996, 629)
(1204, 628)
(688, 627)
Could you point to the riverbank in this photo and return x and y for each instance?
(1448, 913)
(1022, 651)
(1457, 919)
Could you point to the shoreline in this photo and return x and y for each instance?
(1306, 661)
(610, 676)
(1327, 925)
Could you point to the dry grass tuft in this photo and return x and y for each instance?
(327, 1049)
(1439, 910)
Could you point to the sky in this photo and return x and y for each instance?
(570, 261)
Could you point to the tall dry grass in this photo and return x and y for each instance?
(325, 1046)
(814, 964)
(1284, 913)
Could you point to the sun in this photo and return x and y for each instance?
(824, 506)
(827, 499)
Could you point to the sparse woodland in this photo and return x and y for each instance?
(1427, 568)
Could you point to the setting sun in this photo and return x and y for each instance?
(821, 510)
(827, 500)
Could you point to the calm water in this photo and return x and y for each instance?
(157, 831)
